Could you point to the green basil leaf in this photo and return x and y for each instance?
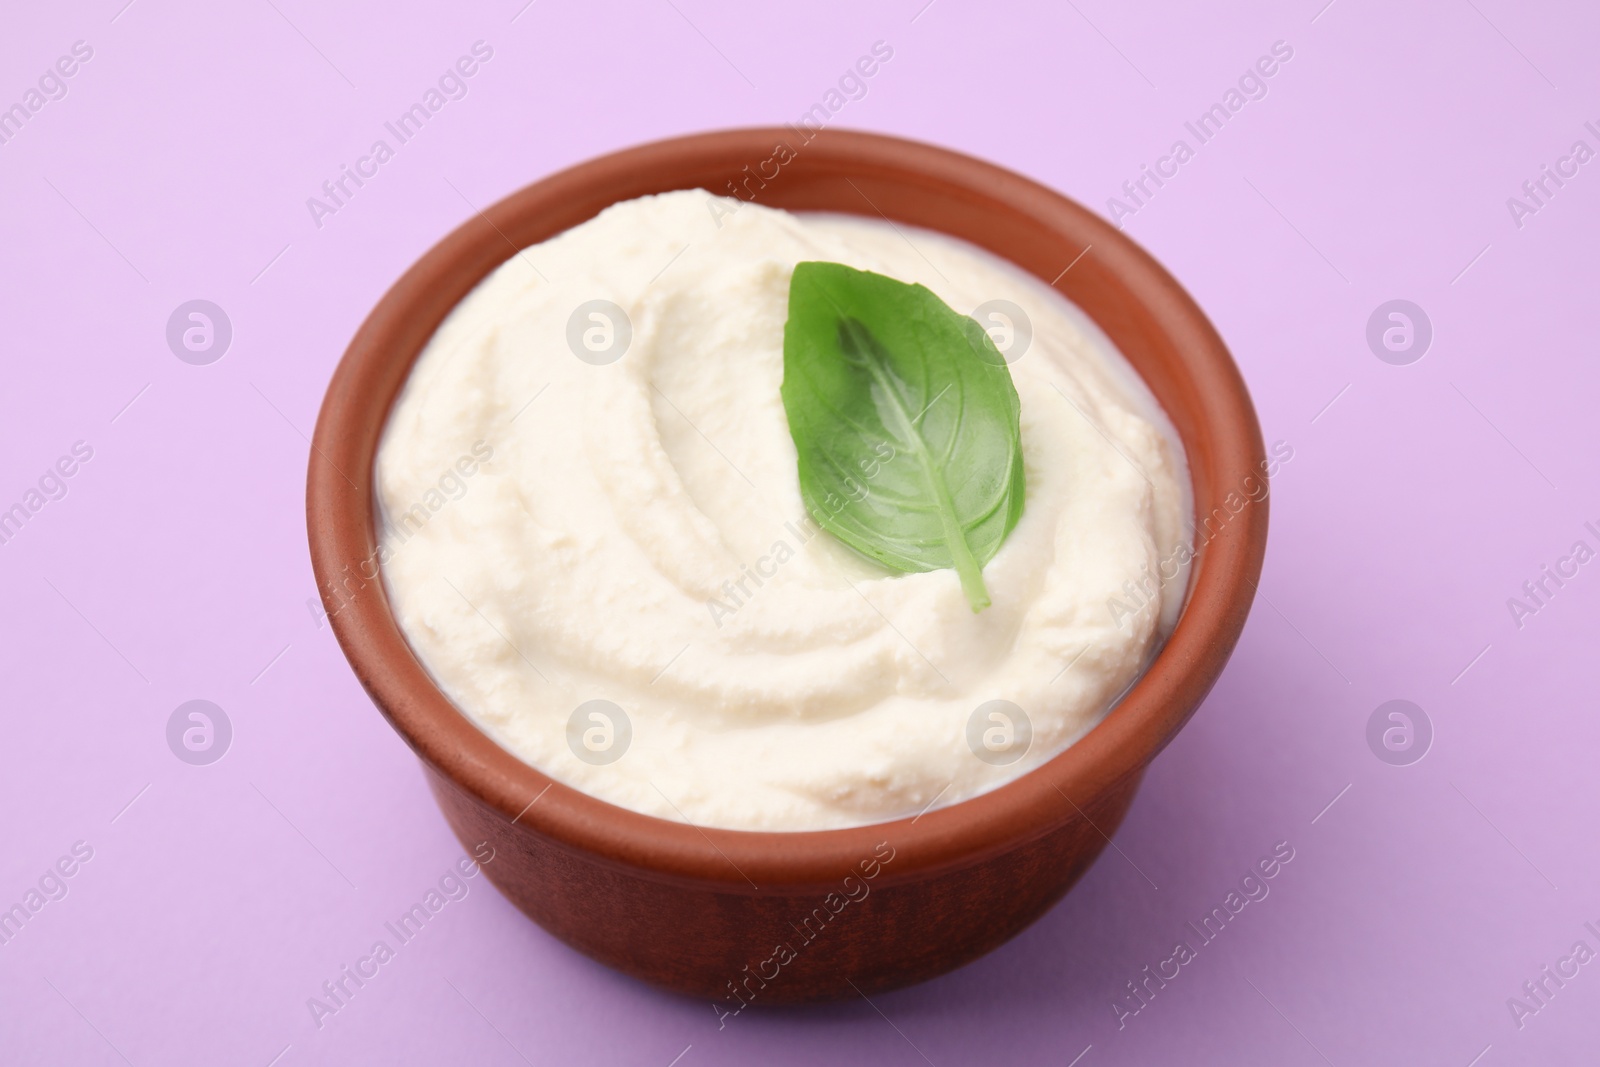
(906, 422)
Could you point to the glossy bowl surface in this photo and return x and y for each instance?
(757, 918)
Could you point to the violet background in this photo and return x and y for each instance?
(1377, 167)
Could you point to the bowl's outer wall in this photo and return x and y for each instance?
(672, 903)
(872, 934)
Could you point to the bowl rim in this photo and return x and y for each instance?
(1223, 442)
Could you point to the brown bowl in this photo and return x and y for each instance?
(743, 917)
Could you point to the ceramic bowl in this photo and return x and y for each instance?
(762, 918)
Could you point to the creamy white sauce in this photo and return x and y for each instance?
(604, 549)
